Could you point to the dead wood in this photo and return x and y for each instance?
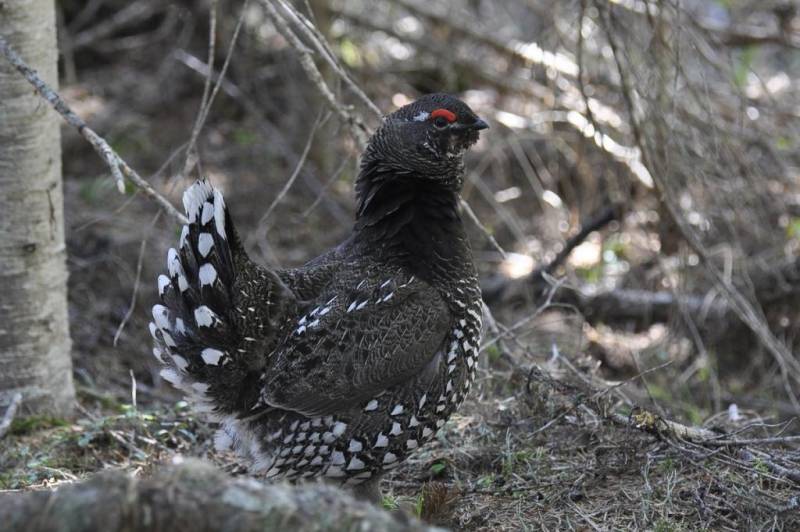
(192, 496)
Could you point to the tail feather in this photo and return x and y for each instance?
(220, 315)
(193, 328)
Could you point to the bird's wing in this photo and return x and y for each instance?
(347, 348)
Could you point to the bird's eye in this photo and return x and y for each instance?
(440, 122)
(442, 117)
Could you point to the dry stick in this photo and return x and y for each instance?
(788, 365)
(133, 13)
(357, 127)
(474, 217)
(11, 411)
(299, 166)
(136, 282)
(596, 222)
(529, 52)
(119, 168)
(310, 31)
(204, 110)
(212, 50)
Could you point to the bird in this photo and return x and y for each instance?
(342, 367)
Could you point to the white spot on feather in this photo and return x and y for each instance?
(181, 362)
(372, 405)
(208, 213)
(389, 458)
(184, 236)
(219, 213)
(161, 317)
(355, 446)
(398, 409)
(211, 356)
(339, 428)
(334, 472)
(396, 429)
(163, 283)
(170, 375)
(204, 243)
(204, 316)
(355, 464)
(381, 441)
(421, 116)
(208, 274)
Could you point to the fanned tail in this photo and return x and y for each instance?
(194, 327)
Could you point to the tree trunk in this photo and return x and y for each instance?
(193, 497)
(34, 331)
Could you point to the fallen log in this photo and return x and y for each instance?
(192, 496)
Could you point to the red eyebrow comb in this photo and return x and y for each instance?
(447, 115)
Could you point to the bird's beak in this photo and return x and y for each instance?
(479, 124)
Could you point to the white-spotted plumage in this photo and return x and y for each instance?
(204, 316)
(207, 274)
(212, 356)
(204, 244)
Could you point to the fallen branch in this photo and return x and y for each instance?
(192, 496)
(119, 168)
(595, 223)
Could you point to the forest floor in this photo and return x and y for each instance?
(523, 453)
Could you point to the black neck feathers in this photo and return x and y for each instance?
(412, 220)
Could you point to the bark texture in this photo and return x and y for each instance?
(34, 331)
(193, 497)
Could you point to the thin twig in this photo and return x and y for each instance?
(119, 168)
(596, 222)
(355, 123)
(139, 263)
(299, 166)
(489, 236)
(212, 50)
(310, 31)
(206, 106)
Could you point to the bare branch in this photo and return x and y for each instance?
(357, 127)
(119, 168)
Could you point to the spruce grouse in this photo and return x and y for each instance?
(342, 367)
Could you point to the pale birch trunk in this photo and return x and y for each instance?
(34, 332)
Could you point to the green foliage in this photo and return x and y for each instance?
(390, 502)
(743, 65)
(244, 137)
(438, 468)
(351, 53)
(31, 424)
(493, 353)
(793, 229)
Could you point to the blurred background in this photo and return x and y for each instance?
(636, 197)
(574, 92)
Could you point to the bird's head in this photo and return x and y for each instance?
(426, 138)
